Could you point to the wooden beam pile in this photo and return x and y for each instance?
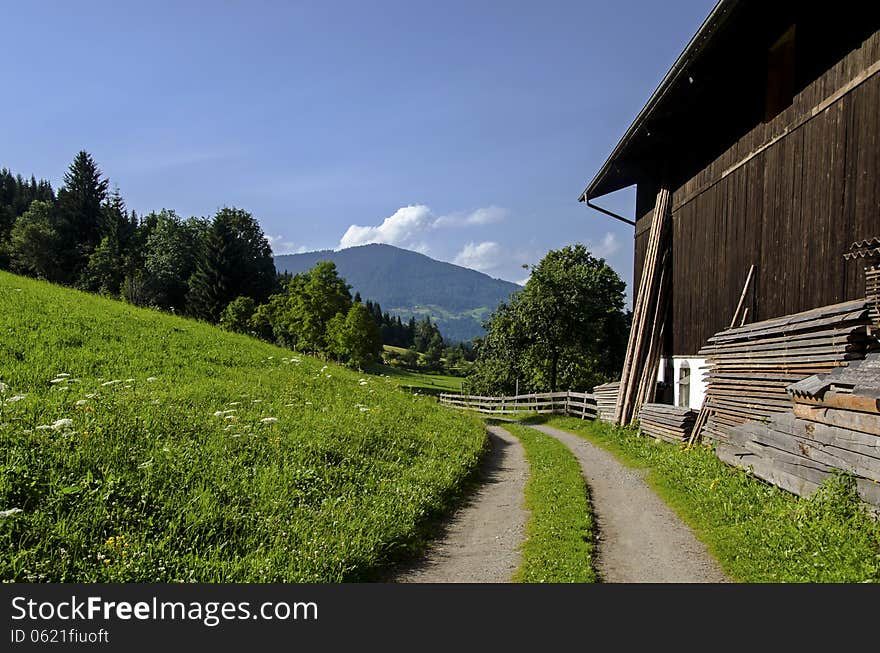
(606, 400)
(835, 424)
(639, 375)
(670, 423)
(797, 454)
(749, 367)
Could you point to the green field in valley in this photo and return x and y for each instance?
(137, 446)
(431, 381)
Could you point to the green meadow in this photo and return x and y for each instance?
(137, 446)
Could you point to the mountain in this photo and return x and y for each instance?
(408, 284)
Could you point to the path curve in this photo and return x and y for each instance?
(481, 542)
(640, 539)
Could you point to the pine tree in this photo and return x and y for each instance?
(81, 210)
(209, 286)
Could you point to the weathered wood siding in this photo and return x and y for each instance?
(790, 196)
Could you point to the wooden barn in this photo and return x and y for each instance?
(756, 164)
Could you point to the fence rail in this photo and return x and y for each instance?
(577, 404)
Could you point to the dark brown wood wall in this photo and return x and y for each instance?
(792, 209)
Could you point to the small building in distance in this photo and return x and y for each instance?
(766, 134)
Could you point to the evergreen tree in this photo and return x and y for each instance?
(80, 203)
(236, 261)
(210, 287)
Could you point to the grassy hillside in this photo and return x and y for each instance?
(136, 446)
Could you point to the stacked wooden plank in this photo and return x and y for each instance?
(670, 423)
(749, 367)
(638, 378)
(835, 424)
(606, 400)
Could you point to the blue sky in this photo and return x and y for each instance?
(465, 130)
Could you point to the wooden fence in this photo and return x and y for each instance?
(576, 404)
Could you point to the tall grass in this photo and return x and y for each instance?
(174, 451)
(758, 532)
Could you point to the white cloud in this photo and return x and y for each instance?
(608, 247)
(484, 256)
(402, 228)
(482, 216)
(409, 224)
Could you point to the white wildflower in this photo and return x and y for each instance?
(44, 427)
(64, 380)
(145, 464)
(129, 380)
(91, 395)
(363, 409)
(308, 403)
(155, 402)
(323, 368)
(150, 379)
(81, 402)
(220, 413)
(235, 403)
(18, 290)
(10, 512)
(62, 375)
(62, 423)
(127, 386)
(257, 401)
(231, 418)
(113, 382)
(290, 405)
(269, 420)
(3, 387)
(15, 398)
(270, 358)
(328, 376)
(362, 382)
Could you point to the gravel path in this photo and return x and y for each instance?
(480, 543)
(640, 539)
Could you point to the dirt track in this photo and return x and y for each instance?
(640, 539)
(480, 543)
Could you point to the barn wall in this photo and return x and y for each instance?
(792, 208)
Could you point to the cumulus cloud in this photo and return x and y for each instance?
(401, 228)
(483, 256)
(408, 226)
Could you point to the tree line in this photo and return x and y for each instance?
(219, 269)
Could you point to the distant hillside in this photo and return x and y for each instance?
(406, 283)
